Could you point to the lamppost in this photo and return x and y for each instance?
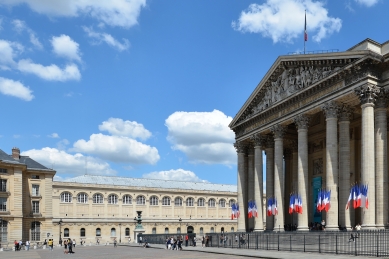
(180, 220)
(120, 238)
(60, 233)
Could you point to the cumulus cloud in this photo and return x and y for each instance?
(21, 26)
(119, 127)
(16, 89)
(118, 149)
(283, 20)
(65, 163)
(107, 38)
(175, 175)
(122, 13)
(64, 46)
(51, 72)
(368, 3)
(8, 51)
(203, 136)
(53, 135)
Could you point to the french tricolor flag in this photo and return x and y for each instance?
(269, 206)
(291, 203)
(305, 28)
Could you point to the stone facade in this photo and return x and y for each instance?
(325, 120)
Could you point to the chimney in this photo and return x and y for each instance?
(15, 153)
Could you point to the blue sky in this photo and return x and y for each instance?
(143, 88)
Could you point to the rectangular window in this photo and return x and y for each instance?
(34, 176)
(35, 190)
(3, 185)
(3, 171)
(3, 204)
(35, 207)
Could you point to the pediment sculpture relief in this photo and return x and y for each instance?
(292, 80)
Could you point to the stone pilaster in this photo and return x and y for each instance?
(250, 181)
(331, 110)
(279, 185)
(302, 123)
(345, 114)
(381, 148)
(269, 177)
(258, 180)
(241, 149)
(367, 94)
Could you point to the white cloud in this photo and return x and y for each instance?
(368, 3)
(8, 51)
(20, 26)
(65, 163)
(203, 136)
(53, 135)
(123, 13)
(118, 127)
(107, 38)
(15, 88)
(51, 72)
(118, 149)
(64, 46)
(61, 145)
(283, 20)
(175, 175)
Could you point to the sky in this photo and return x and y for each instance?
(147, 88)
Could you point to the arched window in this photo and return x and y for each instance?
(154, 231)
(166, 230)
(98, 198)
(230, 203)
(112, 199)
(154, 200)
(212, 230)
(211, 203)
(178, 230)
(201, 202)
(82, 232)
(222, 203)
(82, 198)
(98, 232)
(222, 230)
(127, 232)
(190, 202)
(201, 231)
(3, 231)
(178, 201)
(113, 232)
(166, 201)
(127, 199)
(66, 232)
(66, 197)
(232, 229)
(35, 231)
(140, 200)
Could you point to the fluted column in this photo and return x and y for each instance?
(288, 184)
(241, 149)
(331, 110)
(294, 145)
(250, 181)
(367, 94)
(381, 148)
(344, 164)
(269, 177)
(279, 185)
(302, 123)
(258, 180)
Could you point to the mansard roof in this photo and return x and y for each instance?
(151, 183)
(23, 160)
(291, 74)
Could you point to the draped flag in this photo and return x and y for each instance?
(255, 210)
(327, 201)
(250, 210)
(300, 205)
(358, 194)
(233, 211)
(364, 199)
(291, 204)
(319, 201)
(305, 28)
(237, 211)
(295, 204)
(323, 200)
(350, 197)
(269, 205)
(274, 209)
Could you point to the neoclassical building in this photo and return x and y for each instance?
(91, 208)
(321, 120)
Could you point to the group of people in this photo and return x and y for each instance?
(69, 245)
(19, 245)
(174, 243)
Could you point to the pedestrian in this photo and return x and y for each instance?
(70, 246)
(236, 238)
(206, 241)
(97, 242)
(16, 243)
(140, 240)
(74, 243)
(186, 240)
(194, 241)
(20, 244)
(114, 243)
(202, 241)
(51, 244)
(129, 240)
(27, 245)
(65, 247)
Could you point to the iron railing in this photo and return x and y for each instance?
(162, 238)
(363, 243)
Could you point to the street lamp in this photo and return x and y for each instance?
(60, 233)
(120, 238)
(180, 220)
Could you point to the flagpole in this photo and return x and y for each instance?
(305, 29)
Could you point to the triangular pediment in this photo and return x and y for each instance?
(292, 74)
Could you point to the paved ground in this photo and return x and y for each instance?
(158, 251)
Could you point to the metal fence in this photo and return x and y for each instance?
(363, 243)
(162, 238)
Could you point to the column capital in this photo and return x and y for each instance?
(259, 140)
(331, 109)
(240, 147)
(301, 121)
(367, 93)
(345, 112)
(250, 149)
(278, 131)
(382, 99)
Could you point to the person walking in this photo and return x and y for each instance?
(114, 243)
(186, 240)
(27, 245)
(65, 247)
(50, 243)
(70, 246)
